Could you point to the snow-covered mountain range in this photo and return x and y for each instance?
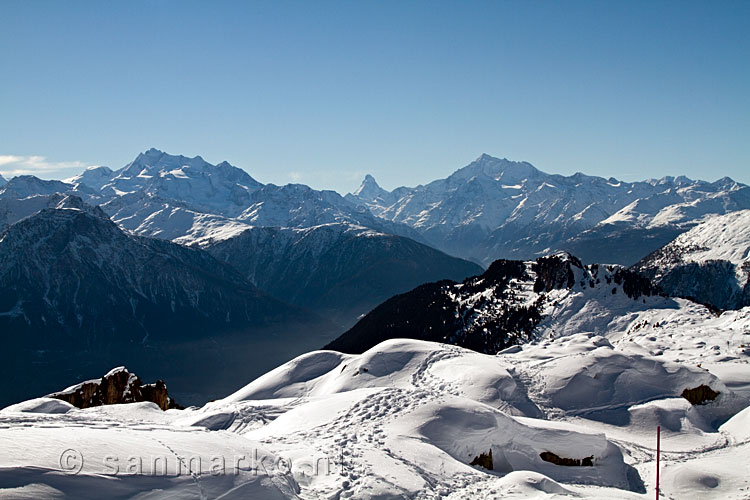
(492, 208)
(194, 203)
(496, 208)
(172, 197)
(709, 263)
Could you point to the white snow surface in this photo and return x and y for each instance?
(406, 418)
(720, 237)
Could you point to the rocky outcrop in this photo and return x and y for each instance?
(483, 460)
(550, 457)
(119, 386)
(485, 313)
(700, 395)
(633, 284)
(554, 272)
(497, 309)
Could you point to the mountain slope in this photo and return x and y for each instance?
(496, 208)
(339, 270)
(77, 293)
(709, 263)
(13, 209)
(513, 302)
(93, 177)
(24, 186)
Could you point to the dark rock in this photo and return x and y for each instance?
(548, 456)
(554, 272)
(483, 460)
(700, 395)
(633, 284)
(119, 386)
(430, 312)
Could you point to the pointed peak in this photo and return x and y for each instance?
(98, 168)
(486, 166)
(369, 189)
(76, 203)
(725, 182)
(485, 157)
(369, 180)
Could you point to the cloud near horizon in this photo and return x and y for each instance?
(13, 165)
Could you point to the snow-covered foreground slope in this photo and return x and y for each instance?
(407, 418)
(710, 263)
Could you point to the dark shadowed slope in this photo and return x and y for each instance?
(77, 296)
(338, 270)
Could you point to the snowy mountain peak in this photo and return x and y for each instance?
(155, 160)
(102, 169)
(157, 163)
(2, 180)
(216, 189)
(72, 202)
(725, 183)
(369, 189)
(497, 169)
(22, 186)
(93, 177)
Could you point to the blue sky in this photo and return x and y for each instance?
(324, 92)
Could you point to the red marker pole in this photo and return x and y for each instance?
(658, 441)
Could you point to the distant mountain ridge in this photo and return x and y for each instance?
(496, 208)
(157, 193)
(194, 203)
(492, 208)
